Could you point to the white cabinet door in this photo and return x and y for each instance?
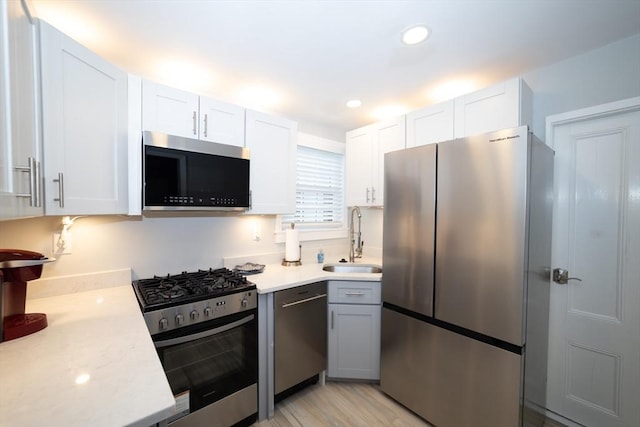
(20, 145)
(359, 166)
(176, 112)
(221, 122)
(354, 341)
(365, 152)
(390, 136)
(169, 110)
(504, 105)
(84, 102)
(134, 159)
(430, 124)
(272, 146)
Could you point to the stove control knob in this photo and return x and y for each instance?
(163, 323)
(244, 303)
(207, 311)
(179, 319)
(194, 315)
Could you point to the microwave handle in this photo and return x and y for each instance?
(204, 334)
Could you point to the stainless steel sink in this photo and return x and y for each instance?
(352, 268)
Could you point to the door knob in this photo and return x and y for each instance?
(561, 276)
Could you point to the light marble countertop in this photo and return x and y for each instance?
(99, 336)
(100, 333)
(276, 277)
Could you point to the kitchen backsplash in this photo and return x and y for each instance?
(168, 244)
(62, 285)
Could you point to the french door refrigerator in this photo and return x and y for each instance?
(466, 255)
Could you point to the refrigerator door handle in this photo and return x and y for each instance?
(561, 276)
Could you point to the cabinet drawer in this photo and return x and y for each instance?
(352, 292)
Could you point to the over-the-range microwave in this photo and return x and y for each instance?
(188, 174)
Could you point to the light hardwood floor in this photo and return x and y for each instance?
(341, 404)
(353, 404)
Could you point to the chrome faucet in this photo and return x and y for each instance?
(355, 252)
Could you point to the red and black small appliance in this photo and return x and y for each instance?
(17, 267)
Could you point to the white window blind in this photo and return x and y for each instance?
(319, 190)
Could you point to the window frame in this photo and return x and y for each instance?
(323, 144)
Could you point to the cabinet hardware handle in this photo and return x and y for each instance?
(60, 182)
(194, 123)
(357, 294)
(205, 125)
(331, 319)
(373, 195)
(38, 184)
(302, 301)
(34, 185)
(367, 194)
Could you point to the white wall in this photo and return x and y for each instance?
(603, 75)
(333, 134)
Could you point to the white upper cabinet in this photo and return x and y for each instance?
(134, 137)
(20, 145)
(272, 146)
(391, 136)
(84, 104)
(504, 105)
(169, 110)
(176, 112)
(221, 122)
(430, 124)
(359, 166)
(365, 152)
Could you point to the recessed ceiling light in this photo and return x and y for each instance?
(354, 103)
(415, 34)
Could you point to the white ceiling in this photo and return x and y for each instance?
(315, 55)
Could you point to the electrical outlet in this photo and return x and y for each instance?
(61, 246)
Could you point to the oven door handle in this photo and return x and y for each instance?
(203, 334)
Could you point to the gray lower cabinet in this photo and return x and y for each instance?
(354, 330)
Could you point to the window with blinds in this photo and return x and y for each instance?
(319, 190)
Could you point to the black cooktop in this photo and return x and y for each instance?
(170, 290)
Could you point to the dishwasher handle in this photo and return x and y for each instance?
(302, 301)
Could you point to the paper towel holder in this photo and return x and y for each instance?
(293, 263)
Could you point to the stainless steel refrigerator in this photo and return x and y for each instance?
(466, 256)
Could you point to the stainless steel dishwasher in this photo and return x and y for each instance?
(300, 334)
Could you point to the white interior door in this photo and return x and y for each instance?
(594, 334)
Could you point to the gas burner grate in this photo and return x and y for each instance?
(188, 286)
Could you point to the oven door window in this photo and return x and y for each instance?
(213, 360)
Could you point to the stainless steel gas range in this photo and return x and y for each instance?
(204, 325)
